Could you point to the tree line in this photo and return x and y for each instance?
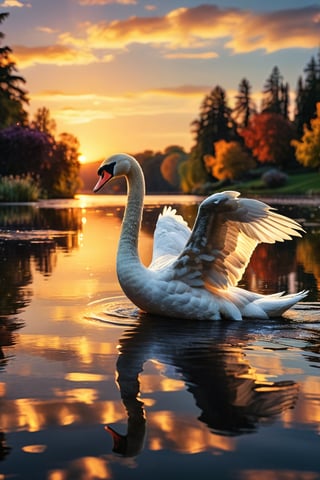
(232, 144)
(228, 143)
(29, 147)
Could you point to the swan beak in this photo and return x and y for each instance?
(102, 180)
(119, 441)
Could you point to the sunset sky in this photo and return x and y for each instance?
(130, 75)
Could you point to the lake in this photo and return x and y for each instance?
(91, 389)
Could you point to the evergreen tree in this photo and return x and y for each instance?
(12, 96)
(275, 94)
(214, 123)
(244, 107)
(308, 94)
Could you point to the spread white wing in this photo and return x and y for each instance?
(170, 236)
(226, 232)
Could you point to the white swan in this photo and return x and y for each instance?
(193, 274)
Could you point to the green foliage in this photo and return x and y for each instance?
(192, 172)
(308, 149)
(63, 180)
(18, 189)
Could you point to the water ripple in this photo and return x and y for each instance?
(116, 311)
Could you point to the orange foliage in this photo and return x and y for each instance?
(269, 136)
(230, 161)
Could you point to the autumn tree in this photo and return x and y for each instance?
(308, 149)
(230, 161)
(13, 97)
(193, 173)
(150, 162)
(269, 137)
(170, 166)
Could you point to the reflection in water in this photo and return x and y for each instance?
(204, 387)
(31, 236)
(210, 359)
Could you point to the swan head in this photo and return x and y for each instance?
(115, 166)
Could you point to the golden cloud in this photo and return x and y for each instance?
(240, 30)
(183, 33)
(76, 109)
(53, 54)
(191, 55)
(107, 2)
(14, 4)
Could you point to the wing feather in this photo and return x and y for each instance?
(225, 234)
(170, 236)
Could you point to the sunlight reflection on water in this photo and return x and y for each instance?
(182, 398)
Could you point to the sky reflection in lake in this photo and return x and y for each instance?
(180, 398)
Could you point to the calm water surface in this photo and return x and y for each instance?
(91, 389)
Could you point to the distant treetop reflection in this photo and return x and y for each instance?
(31, 235)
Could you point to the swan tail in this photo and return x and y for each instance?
(276, 305)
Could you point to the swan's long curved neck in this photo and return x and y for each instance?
(128, 260)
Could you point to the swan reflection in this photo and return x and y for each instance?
(210, 358)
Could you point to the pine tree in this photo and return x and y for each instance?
(244, 107)
(276, 94)
(214, 123)
(12, 96)
(308, 94)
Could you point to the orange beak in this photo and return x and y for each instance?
(104, 178)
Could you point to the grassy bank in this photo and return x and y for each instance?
(298, 184)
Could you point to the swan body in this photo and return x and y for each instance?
(194, 274)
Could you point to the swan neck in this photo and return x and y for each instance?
(133, 213)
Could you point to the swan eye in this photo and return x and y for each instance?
(106, 168)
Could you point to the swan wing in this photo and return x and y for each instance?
(170, 237)
(225, 234)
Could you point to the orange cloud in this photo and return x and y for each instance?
(14, 3)
(183, 33)
(107, 2)
(292, 28)
(241, 30)
(53, 54)
(182, 90)
(192, 55)
(76, 109)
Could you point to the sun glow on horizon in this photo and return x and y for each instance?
(82, 158)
